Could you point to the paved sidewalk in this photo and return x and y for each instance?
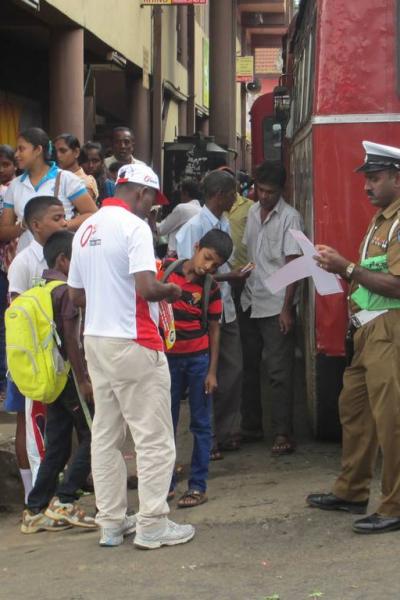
(255, 538)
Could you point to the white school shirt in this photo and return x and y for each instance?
(26, 269)
(268, 245)
(108, 249)
(174, 221)
(21, 190)
(191, 233)
(112, 159)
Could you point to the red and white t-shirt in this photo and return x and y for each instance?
(108, 249)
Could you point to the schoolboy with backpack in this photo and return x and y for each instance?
(48, 364)
(43, 215)
(193, 358)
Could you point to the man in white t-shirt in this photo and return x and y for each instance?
(113, 273)
(188, 207)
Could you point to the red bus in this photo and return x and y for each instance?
(266, 131)
(342, 62)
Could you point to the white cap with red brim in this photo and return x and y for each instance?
(142, 175)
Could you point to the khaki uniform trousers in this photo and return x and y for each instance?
(131, 386)
(369, 408)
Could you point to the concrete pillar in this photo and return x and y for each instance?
(243, 107)
(191, 103)
(139, 118)
(183, 119)
(223, 73)
(66, 82)
(157, 92)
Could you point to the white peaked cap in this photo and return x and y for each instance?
(379, 157)
(143, 175)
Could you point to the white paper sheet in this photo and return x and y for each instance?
(302, 267)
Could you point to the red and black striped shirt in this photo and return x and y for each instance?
(191, 338)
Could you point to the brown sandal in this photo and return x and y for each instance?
(216, 454)
(192, 498)
(282, 445)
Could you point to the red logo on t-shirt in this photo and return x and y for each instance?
(87, 234)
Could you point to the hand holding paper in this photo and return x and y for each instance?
(302, 267)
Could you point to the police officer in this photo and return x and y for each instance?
(369, 404)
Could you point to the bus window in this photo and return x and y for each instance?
(272, 138)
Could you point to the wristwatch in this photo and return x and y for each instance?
(349, 270)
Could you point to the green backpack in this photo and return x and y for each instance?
(32, 345)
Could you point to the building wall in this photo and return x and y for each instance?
(201, 58)
(171, 128)
(122, 24)
(173, 71)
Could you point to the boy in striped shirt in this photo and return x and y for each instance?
(193, 359)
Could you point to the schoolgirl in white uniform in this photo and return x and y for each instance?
(40, 177)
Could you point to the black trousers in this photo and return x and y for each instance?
(63, 416)
(227, 397)
(262, 338)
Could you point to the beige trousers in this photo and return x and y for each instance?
(131, 387)
(369, 408)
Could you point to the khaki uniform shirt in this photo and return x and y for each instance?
(237, 218)
(377, 243)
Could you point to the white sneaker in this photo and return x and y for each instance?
(32, 523)
(172, 535)
(114, 536)
(70, 512)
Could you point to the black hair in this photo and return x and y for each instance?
(271, 172)
(243, 177)
(115, 166)
(93, 146)
(7, 152)
(122, 128)
(219, 241)
(58, 243)
(218, 182)
(71, 141)
(38, 137)
(37, 207)
(191, 187)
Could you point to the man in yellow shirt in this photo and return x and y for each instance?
(237, 218)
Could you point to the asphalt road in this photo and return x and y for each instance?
(256, 540)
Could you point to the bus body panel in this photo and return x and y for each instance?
(342, 210)
(342, 70)
(356, 57)
(266, 131)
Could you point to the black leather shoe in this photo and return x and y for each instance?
(332, 502)
(376, 524)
